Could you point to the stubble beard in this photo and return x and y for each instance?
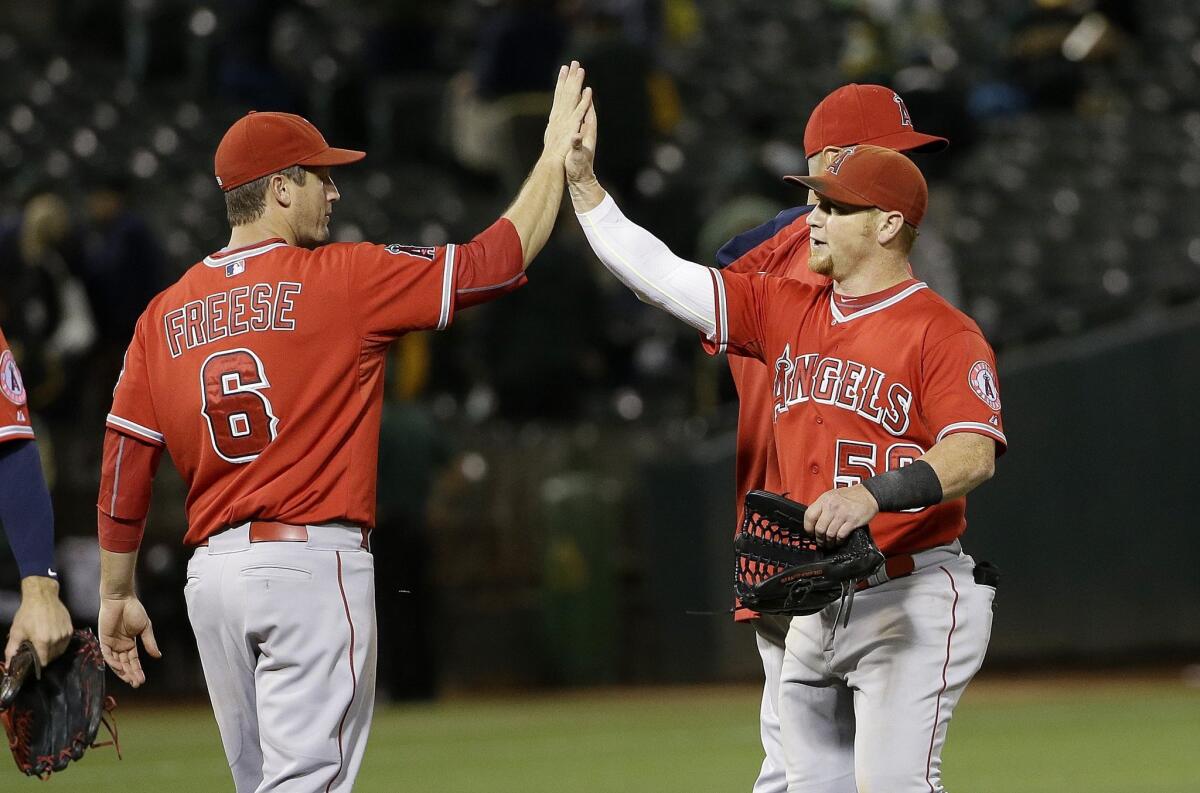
(820, 263)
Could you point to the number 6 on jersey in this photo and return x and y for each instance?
(240, 420)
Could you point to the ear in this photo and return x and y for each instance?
(828, 155)
(279, 189)
(888, 227)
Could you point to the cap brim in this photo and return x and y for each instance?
(332, 156)
(907, 140)
(829, 188)
(910, 141)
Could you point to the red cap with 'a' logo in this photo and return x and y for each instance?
(872, 176)
(262, 143)
(874, 114)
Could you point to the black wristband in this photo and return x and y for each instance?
(908, 487)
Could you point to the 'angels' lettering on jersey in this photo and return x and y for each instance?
(259, 308)
(844, 384)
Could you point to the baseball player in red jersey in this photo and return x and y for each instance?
(28, 520)
(886, 412)
(261, 372)
(852, 114)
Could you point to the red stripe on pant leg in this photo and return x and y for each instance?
(353, 674)
(938, 708)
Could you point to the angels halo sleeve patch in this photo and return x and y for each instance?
(10, 379)
(983, 382)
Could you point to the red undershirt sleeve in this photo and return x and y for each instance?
(126, 480)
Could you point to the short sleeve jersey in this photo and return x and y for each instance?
(261, 370)
(855, 394)
(14, 412)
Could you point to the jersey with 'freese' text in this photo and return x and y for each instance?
(261, 369)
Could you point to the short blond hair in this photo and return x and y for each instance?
(247, 203)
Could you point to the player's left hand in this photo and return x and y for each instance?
(837, 512)
(42, 619)
(122, 621)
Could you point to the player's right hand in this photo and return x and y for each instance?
(121, 622)
(582, 154)
(571, 102)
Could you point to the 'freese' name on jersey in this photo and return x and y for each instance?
(243, 309)
(845, 384)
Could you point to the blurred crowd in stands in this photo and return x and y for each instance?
(1069, 197)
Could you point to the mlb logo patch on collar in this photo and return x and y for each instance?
(235, 268)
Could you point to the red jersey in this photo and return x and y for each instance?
(261, 370)
(756, 466)
(784, 253)
(14, 414)
(858, 393)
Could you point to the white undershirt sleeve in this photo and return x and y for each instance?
(645, 264)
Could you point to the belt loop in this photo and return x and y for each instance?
(335, 537)
(231, 540)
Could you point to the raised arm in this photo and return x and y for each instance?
(637, 258)
(535, 208)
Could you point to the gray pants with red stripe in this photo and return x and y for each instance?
(865, 708)
(286, 633)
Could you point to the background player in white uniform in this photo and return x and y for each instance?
(261, 371)
(28, 521)
(886, 393)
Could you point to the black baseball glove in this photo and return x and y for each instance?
(780, 569)
(52, 715)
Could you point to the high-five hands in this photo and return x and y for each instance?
(582, 153)
(571, 102)
(586, 192)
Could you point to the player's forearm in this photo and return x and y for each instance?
(643, 262)
(126, 480)
(535, 208)
(25, 509)
(962, 462)
(117, 574)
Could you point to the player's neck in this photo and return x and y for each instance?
(251, 233)
(871, 279)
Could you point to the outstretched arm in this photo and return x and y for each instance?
(535, 208)
(636, 257)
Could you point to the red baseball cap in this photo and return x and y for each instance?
(874, 114)
(872, 176)
(262, 143)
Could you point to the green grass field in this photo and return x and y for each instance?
(1041, 736)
